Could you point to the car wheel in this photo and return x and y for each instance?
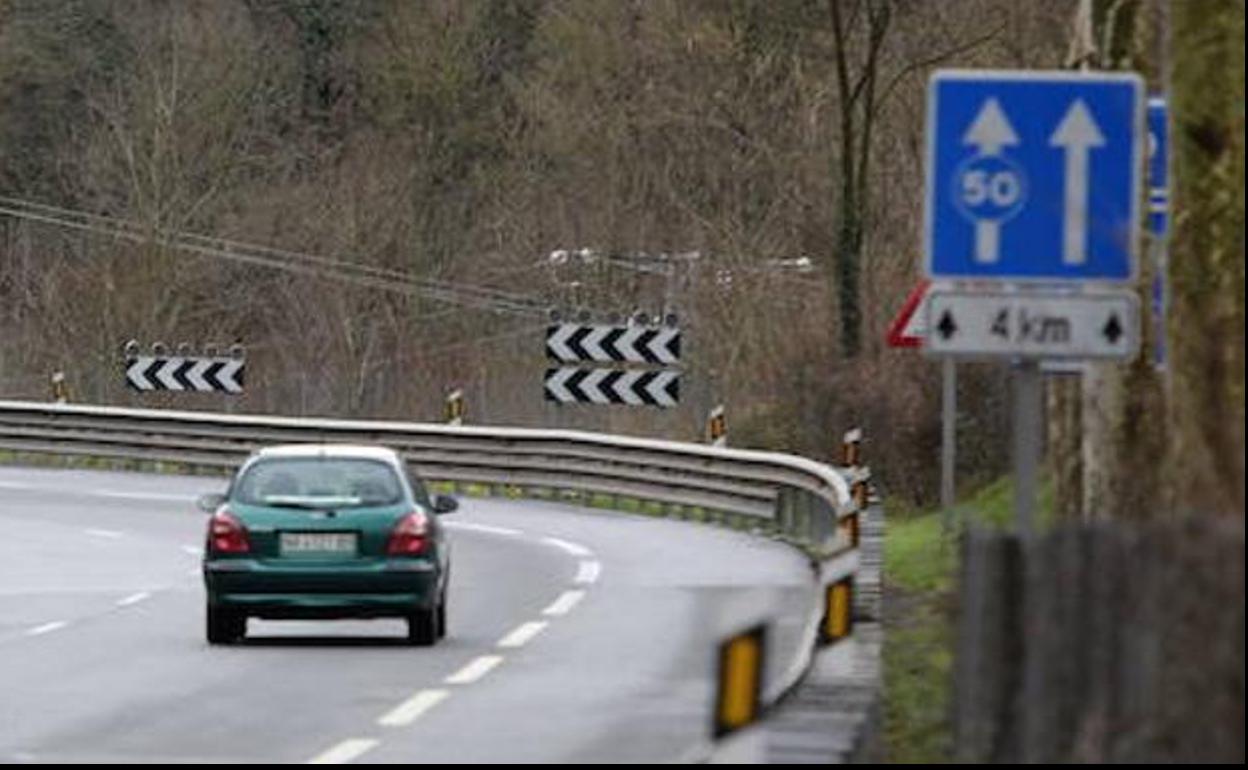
(224, 626)
(423, 627)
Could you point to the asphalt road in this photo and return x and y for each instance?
(575, 636)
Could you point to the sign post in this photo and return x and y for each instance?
(910, 330)
(1031, 212)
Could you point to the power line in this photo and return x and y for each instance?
(372, 276)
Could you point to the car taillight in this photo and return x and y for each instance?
(226, 534)
(408, 536)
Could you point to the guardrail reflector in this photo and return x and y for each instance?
(741, 659)
(838, 620)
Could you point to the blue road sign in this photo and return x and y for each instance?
(1159, 219)
(1158, 166)
(1033, 176)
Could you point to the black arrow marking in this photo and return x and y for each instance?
(573, 384)
(673, 389)
(608, 344)
(641, 388)
(210, 375)
(181, 371)
(947, 326)
(609, 389)
(551, 331)
(152, 370)
(550, 375)
(574, 343)
(674, 346)
(1113, 330)
(643, 346)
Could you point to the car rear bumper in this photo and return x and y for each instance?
(384, 588)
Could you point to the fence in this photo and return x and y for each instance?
(1102, 643)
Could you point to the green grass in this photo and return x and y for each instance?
(920, 577)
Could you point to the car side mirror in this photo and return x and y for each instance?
(444, 504)
(210, 502)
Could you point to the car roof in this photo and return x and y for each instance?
(350, 451)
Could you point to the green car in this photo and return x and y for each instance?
(310, 532)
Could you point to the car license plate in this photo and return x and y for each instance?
(318, 543)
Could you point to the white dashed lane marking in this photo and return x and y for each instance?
(344, 752)
(413, 708)
(475, 670)
(587, 572)
(133, 599)
(523, 634)
(47, 628)
(108, 533)
(564, 604)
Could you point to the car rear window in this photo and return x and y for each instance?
(318, 482)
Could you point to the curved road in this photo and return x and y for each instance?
(575, 636)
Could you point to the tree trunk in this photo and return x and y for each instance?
(1206, 324)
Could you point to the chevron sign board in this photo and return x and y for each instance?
(202, 375)
(632, 387)
(573, 343)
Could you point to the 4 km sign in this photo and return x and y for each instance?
(1033, 176)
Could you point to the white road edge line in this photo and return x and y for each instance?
(161, 496)
(573, 548)
(564, 604)
(522, 634)
(413, 708)
(587, 572)
(474, 670)
(134, 598)
(485, 528)
(109, 533)
(344, 752)
(192, 550)
(47, 628)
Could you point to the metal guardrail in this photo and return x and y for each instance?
(812, 506)
(805, 502)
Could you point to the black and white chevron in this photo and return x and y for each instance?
(633, 387)
(203, 375)
(574, 343)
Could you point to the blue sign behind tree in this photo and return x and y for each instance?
(1033, 175)
(1159, 218)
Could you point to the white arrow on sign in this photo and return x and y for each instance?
(557, 384)
(990, 132)
(592, 386)
(1078, 133)
(165, 375)
(196, 375)
(135, 373)
(229, 376)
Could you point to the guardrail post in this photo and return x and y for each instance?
(455, 407)
(60, 390)
(784, 509)
(864, 529)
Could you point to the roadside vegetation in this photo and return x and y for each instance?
(920, 614)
